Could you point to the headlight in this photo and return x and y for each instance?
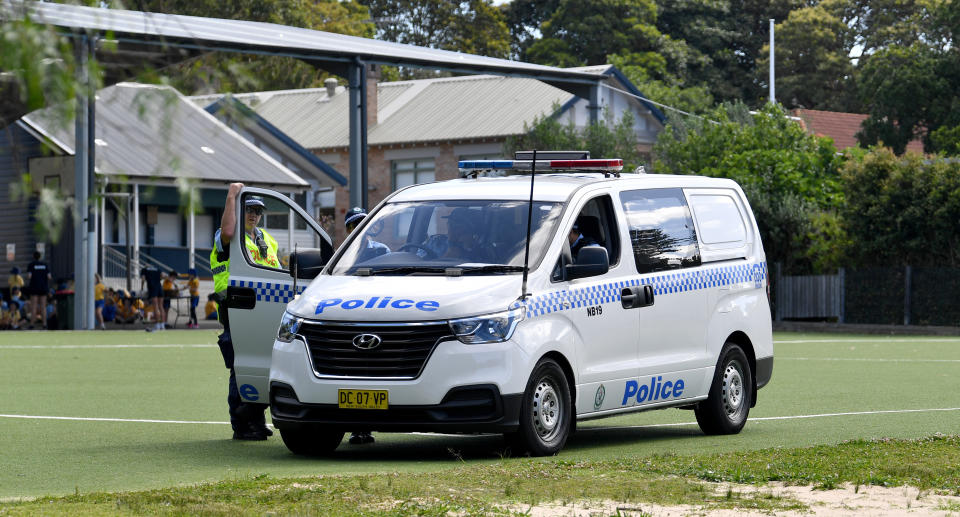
(289, 325)
(492, 328)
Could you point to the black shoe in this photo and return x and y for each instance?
(361, 438)
(249, 435)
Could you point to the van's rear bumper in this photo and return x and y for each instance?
(464, 409)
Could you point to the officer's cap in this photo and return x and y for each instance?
(254, 201)
(354, 215)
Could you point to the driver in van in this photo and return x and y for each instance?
(577, 238)
(247, 419)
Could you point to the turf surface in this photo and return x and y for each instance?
(96, 375)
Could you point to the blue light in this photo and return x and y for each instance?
(486, 164)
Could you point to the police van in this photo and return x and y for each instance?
(518, 303)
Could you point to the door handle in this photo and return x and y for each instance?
(636, 297)
(241, 297)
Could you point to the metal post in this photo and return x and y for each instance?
(773, 90)
(191, 237)
(357, 122)
(126, 240)
(364, 179)
(91, 265)
(843, 295)
(136, 228)
(102, 242)
(907, 280)
(594, 104)
(290, 214)
(80, 164)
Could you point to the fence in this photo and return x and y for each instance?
(893, 296)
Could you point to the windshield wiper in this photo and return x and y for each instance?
(493, 268)
(399, 270)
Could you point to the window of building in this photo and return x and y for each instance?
(412, 172)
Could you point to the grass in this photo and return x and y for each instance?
(811, 377)
(510, 486)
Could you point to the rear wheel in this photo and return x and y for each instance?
(728, 404)
(546, 412)
(311, 442)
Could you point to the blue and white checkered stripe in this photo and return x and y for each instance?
(663, 284)
(277, 292)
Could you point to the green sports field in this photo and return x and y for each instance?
(108, 411)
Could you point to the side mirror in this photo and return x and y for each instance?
(308, 263)
(591, 261)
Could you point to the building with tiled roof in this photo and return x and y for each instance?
(841, 127)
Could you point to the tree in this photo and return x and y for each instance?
(472, 26)
(812, 61)
(524, 19)
(604, 139)
(585, 33)
(902, 210)
(231, 72)
(790, 177)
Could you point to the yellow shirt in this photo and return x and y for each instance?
(98, 291)
(168, 284)
(194, 285)
(15, 281)
(210, 308)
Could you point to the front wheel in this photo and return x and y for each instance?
(726, 408)
(311, 442)
(546, 412)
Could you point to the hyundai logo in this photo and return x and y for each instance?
(366, 341)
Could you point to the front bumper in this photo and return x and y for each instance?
(464, 409)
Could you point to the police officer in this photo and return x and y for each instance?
(247, 419)
(579, 240)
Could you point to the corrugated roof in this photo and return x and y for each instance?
(423, 110)
(147, 131)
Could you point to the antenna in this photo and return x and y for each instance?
(526, 254)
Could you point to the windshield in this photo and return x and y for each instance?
(449, 238)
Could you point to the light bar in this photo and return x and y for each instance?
(614, 165)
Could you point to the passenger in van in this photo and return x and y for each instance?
(580, 234)
(371, 248)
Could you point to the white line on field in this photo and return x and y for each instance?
(30, 347)
(868, 359)
(918, 339)
(753, 419)
(791, 417)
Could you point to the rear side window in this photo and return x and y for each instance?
(662, 234)
(719, 218)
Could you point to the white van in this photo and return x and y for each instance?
(424, 319)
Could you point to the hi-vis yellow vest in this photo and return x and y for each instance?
(221, 269)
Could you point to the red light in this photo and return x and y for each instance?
(574, 164)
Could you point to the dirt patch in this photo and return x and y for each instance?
(845, 501)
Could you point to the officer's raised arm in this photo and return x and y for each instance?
(228, 223)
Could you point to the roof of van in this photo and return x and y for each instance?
(547, 187)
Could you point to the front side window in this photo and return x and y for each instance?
(662, 234)
(435, 237)
(273, 230)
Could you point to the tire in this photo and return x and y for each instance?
(726, 408)
(311, 442)
(546, 412)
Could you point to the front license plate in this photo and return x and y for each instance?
(362, 399)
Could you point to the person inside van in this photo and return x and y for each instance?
(579, 236)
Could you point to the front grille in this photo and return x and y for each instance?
(403, 350)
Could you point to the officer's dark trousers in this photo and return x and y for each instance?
(243, 415)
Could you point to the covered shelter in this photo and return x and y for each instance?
(162, 39)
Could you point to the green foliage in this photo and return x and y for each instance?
(947, 140)
(814, 70)
(231, 72)
(472, 26)
(902, 210)
(587, 32)
(790, 177)
(606, 139)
